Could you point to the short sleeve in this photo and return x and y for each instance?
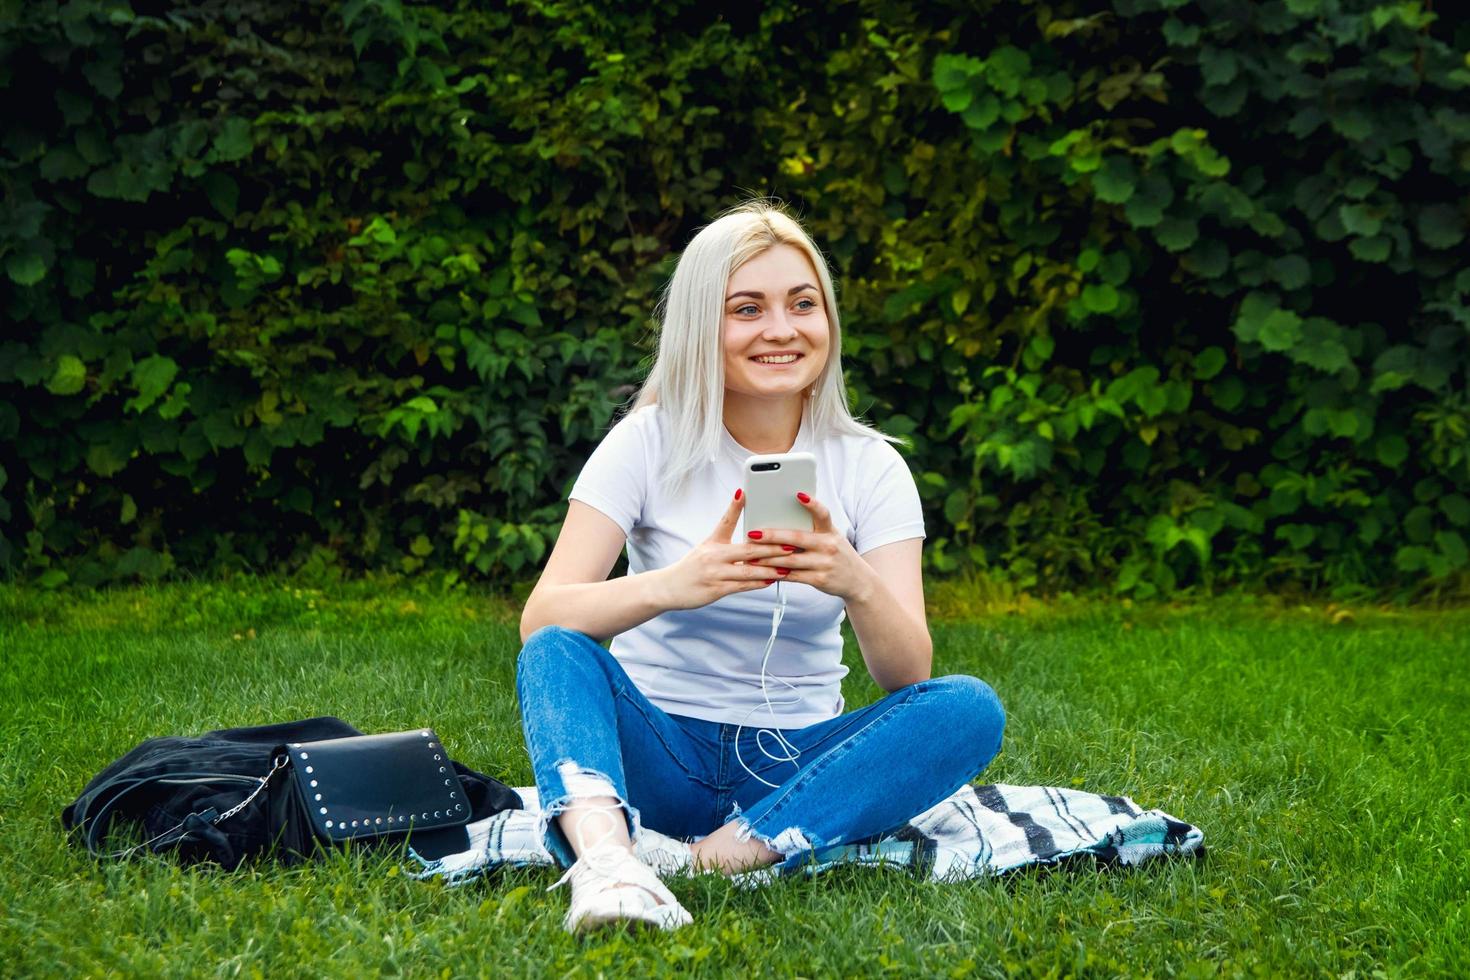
(614, 478)
(889, 510)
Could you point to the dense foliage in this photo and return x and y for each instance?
(1165, 293)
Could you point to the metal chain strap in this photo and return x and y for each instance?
(279, 764)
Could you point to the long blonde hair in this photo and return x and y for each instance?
(688, 374)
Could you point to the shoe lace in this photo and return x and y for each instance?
(602, 857)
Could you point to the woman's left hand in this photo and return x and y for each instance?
(822, 557)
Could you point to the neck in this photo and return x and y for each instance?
(764, 425)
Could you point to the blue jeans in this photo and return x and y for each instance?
(591, 733)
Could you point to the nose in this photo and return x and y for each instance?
(779, 327)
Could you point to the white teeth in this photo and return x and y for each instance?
(784, 359)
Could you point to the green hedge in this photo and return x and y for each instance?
(1166, 294)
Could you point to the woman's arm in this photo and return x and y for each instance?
(574, 590)
(887, 615)
(572, 593)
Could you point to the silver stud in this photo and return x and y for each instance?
(295, 745)
(318, 797)
(426, 816)
(324, 810)
(305, 756)
(441, 768)
(458, 807)
(354, 823)
(425, 734)
(379, 820)
(313, 784)
(329, 824)
(437, 814)
(454, 796)
(437, 757)
(310, 770)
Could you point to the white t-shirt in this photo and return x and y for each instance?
(706, 662)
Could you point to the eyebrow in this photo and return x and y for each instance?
(790, 292)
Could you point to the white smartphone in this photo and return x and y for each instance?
(771, 482)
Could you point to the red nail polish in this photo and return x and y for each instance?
(737, 494)
(803, 497)
(753, 534)
(783, 571)
(787, 547)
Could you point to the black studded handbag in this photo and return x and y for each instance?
(287, 791)
(372, 788)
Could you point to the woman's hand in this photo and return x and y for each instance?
(821, 557)
(716, 567)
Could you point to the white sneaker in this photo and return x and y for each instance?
(667, 856)
(610, 885)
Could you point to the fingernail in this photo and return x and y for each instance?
(753, 534)
(783, 571)
(788, 547)
(737, 494)
(803, 497)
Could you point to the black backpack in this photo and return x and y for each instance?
(181, 792)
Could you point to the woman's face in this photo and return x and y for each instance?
(773, 304)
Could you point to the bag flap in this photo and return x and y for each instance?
(378, 784)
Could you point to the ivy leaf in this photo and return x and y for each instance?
(1208, 363)
(69, 377)
(151, 376)
(1359, 219)
(26, 268)
(1115, 180)
(1209, 259)
(1217, 66)
(222, 192)
(1392, 450)
(1321, 345)
(1177, 234)
(63, 163)
(982, 113)
(1253, 312)
(1280, 330)
(1455, 506)
(1099, 298)
(1440, 226)
(105, 73)
(1375, 249)
(1292, 271)
(955, 71)
(957, 99)
(233, 142)
(1352, 124)
(1146, 207)
(104, 460)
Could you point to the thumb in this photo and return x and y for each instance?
(724, 530)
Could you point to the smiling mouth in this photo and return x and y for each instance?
(778, 363)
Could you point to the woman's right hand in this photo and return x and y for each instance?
(714, 568)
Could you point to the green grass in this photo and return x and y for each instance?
(1323, 751)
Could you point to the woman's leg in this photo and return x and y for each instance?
(863, 773)
(598, 745)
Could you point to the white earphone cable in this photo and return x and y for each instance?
(790, 753)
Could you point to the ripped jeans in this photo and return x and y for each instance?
(591, 733)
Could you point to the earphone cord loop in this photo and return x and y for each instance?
(791, 752)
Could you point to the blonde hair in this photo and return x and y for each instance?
(688, 374)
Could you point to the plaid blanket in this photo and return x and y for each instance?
(978, 832)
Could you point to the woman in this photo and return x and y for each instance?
(676, 727)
